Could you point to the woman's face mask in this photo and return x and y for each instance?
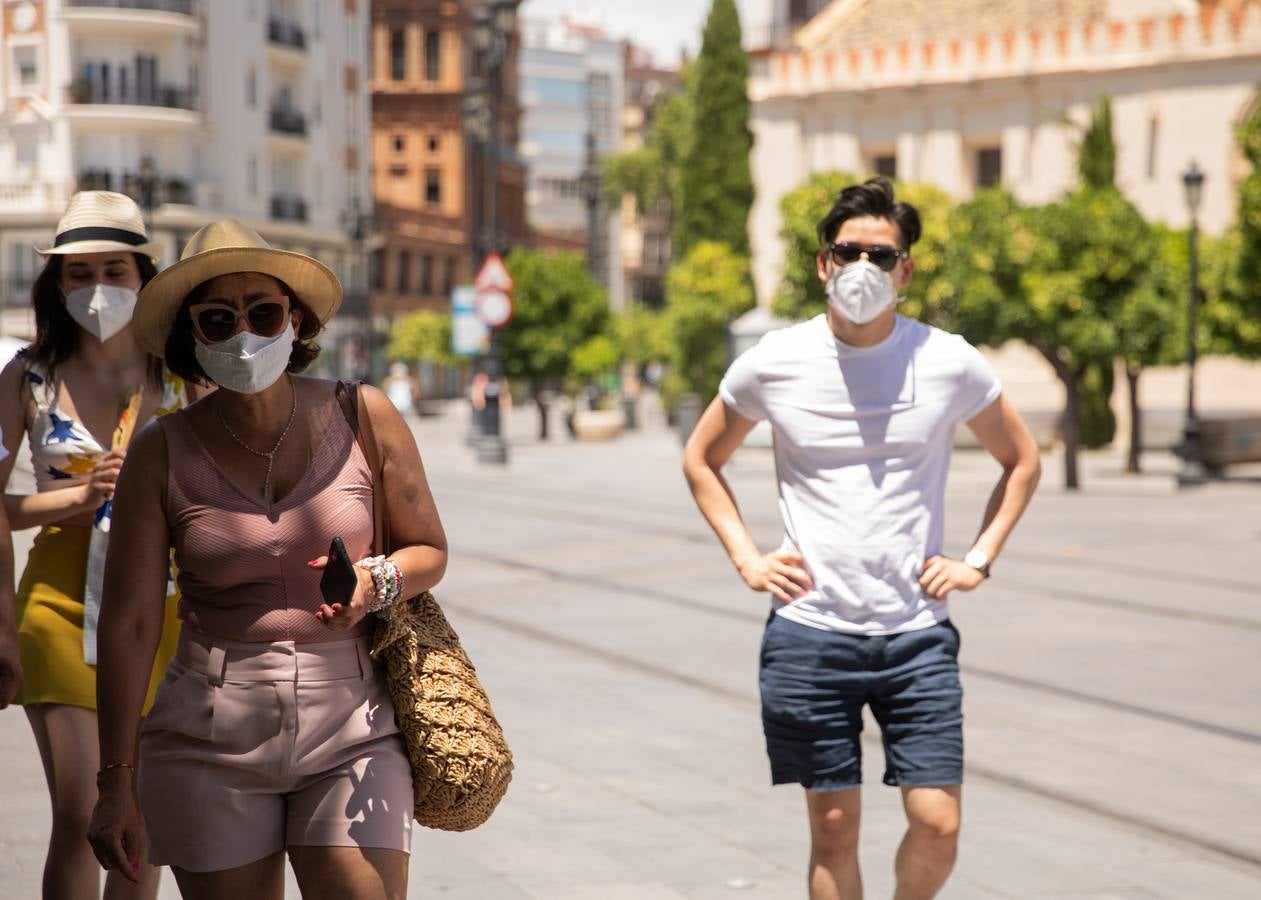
(101, 310)
(861, 291)
(246, 363)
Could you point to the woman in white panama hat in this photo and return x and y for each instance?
(77, 392)
(273, 732)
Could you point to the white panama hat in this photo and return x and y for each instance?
(100, 221)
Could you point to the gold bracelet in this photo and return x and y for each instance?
(115, 765)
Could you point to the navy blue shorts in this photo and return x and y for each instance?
(814, 685)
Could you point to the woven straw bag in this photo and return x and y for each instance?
(461, 763)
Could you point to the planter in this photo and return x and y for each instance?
(598, 424)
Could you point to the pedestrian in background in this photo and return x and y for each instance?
(864, 404)
(77, 392)
(273, 730)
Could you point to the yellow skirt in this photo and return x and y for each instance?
(50, 623)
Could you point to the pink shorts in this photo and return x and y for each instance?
(251, 748)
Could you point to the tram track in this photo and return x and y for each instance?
(1076, 803)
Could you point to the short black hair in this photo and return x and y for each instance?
(181, 357)
(874, 197)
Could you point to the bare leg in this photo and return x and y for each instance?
(262, 879)
(928, 851)
(350, 873)
(834, 820)
(67, 741)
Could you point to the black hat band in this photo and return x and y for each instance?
(100, 234)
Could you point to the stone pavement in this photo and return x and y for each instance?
(1111, 670)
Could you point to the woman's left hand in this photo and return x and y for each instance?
(342, 616)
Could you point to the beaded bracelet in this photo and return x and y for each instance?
(387, 581)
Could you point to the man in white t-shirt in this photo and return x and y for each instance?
(10, 659)
(863, 404)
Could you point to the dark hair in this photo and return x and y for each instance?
(181, 357)
(57, 334)
(874, 197)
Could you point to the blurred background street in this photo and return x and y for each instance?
(1110, 670)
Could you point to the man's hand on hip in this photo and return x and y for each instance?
(782, 572)
(943, 575)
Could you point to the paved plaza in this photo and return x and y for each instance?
(1111, 670)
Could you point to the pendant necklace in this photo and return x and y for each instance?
(269, 455)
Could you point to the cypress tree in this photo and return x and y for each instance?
(1097, 156)
(715, 184)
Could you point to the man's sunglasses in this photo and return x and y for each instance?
(215, 322)
(843, 253)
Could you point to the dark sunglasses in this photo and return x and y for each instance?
(215, 322)
(882, 255)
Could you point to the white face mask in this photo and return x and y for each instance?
(102, 310)
(861, 291)
(246, 363)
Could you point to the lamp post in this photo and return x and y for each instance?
(147, 188)
(1193, 471)
(358, 225)
(493, 27)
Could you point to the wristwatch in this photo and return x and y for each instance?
(978, 560)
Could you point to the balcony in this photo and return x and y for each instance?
(169, 190)
(133, 18)
(283, 33)
(98, 103)
(288, 208)
(288, 121)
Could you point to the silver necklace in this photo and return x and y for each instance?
(270, 455)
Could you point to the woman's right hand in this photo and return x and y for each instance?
(782, 572)
(104, 477)
(116, 832)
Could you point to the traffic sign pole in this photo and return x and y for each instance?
(492, 305)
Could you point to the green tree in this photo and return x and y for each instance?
(1097, 153)
(705, 292)
(1231, 264)
(423, 335)
(558, 306)
(650, 174)
(715, 182)
(801, 293)
(643, 336)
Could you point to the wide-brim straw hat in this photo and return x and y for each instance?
(101, 221)
(228, 247)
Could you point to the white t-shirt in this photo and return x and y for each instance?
(863, 437)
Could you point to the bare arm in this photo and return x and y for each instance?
(130, 627)
(415, 529)
(720, 431)
(1005, 436)
(46, 507)
(10, 658)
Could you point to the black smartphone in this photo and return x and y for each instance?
(339, 579)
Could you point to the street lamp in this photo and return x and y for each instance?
(1193, 471)
(147, 188)
(493, 27)
(358, 226)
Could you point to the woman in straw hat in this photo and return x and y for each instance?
(77, 392)
(273, 731)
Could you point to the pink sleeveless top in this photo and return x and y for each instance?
(243, 571)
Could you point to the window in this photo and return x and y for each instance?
(1153, 135)
(433, 186)
(404, 279)
(433, 55)
(448, 275)
(433, 143)
(377, 267)
(398, 54)
(426, 274)
(398, 171)
(989, 167)
(251, 88)
(885, 164)
(400, 143)
(26, 65)
(560, 91)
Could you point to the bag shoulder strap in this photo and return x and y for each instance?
(350, 398)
